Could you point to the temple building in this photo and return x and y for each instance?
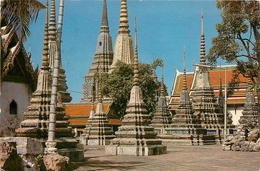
(235, 101)
(18, 79)
(103, 58)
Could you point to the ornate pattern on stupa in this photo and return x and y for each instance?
(100, 132)
(36, 120)
(136, 136)
(162, 117)
(249, 114)
(63, 94)
(206, 110)
(182, 121)
(123, 50)
(103, 56)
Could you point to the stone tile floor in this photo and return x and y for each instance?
(178, 158)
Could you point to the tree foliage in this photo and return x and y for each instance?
(19, 14)
(238, 40)
(119, 83)
(156, 63)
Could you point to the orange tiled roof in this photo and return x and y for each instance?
(215, 74)
(82, 109)
(79, 113)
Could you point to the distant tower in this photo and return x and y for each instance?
(123, 50)
(135, 136)
(103, 57)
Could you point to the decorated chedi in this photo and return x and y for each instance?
(103, 57)
(99, 131)
(135, 136)
(37, 115)
(208, 117)
(123, 50)
(182, 129)
(249, 114)
(162, 117)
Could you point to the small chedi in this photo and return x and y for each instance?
(181, 130)
(247, 136)
(135, 136)
(99, 131)
(162, 117)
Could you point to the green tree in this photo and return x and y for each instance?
(19, 14)
(238, 39)
(119, 83)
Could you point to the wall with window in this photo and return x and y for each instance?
(15, 98)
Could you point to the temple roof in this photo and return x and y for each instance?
(17, 64)
(78, 113)
(215, 74)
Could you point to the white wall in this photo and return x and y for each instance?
(21, 94)
(235, 115)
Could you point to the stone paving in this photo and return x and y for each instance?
(178, 158)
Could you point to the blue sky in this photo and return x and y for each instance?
(163, 28)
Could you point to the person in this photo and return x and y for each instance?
(76, 132)
(246, 133)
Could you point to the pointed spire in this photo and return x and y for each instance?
(136, 75)
(162, 83)
(52, 28)
(184, 69)
(104, 22)
(45, 60)
(202, 41)
(123, 27)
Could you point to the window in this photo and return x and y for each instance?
(13, 107)
(100, 43)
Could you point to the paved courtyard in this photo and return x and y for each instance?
(178, 158)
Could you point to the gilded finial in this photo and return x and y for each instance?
(52, 28)
(136, 74)
(45, 60)
(123, 26)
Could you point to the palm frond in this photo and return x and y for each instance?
(20, 13)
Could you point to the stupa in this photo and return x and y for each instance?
(249, 114)
(135, 136)
(36, 121)
(182, 120)
(99, 131)
(162, 117)
(103, 58)
(123, 50)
